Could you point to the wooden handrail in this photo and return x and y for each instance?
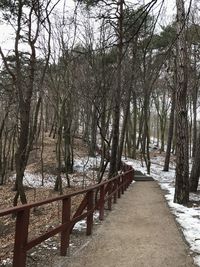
(107, 191)
(12, 210)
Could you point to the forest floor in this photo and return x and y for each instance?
(48, 216)
(85, 173)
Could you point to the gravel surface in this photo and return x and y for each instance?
(140, 231)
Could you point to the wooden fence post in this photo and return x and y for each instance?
(110, 198)
(132, 175)
(21, 238)
(65, 234)
(122, 189)
(101, 203)
(127, 180)
(115, 194)
(118, 185)
(90, 207)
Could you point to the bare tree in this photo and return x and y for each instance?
(29, 18)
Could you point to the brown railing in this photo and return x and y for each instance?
(94, 199)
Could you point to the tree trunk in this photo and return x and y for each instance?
(58, 183)
(195, 172)
(158, 132)
(21, 155)
(146, 138)
(124, 125)
(67, 144)
(93, 131)
(170, 133)
(194, 135)
(141, 125)
(182, 166)
(134, 125)
(117, 93)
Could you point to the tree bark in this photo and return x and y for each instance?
(194, 133)
(117, 93)
(146, 138)
(195, 172)
(93, 132)
(134, 125)
(124, 125)
(182, 166)
(170, 133)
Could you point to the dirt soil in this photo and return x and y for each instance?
(140, 231)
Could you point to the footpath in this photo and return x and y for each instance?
(140, 231)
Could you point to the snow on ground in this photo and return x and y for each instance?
(187, 217)
(81, 225)
(85, 166)
(35, 180)
(85, 163)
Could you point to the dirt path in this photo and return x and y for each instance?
(140, 231)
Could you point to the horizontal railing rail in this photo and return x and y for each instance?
(94, 198)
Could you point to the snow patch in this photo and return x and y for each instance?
(85, 166)
(86, 163)
(197, 260)
(81, 225)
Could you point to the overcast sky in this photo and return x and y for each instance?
(7, 43)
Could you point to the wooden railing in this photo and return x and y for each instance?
(94, 198)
